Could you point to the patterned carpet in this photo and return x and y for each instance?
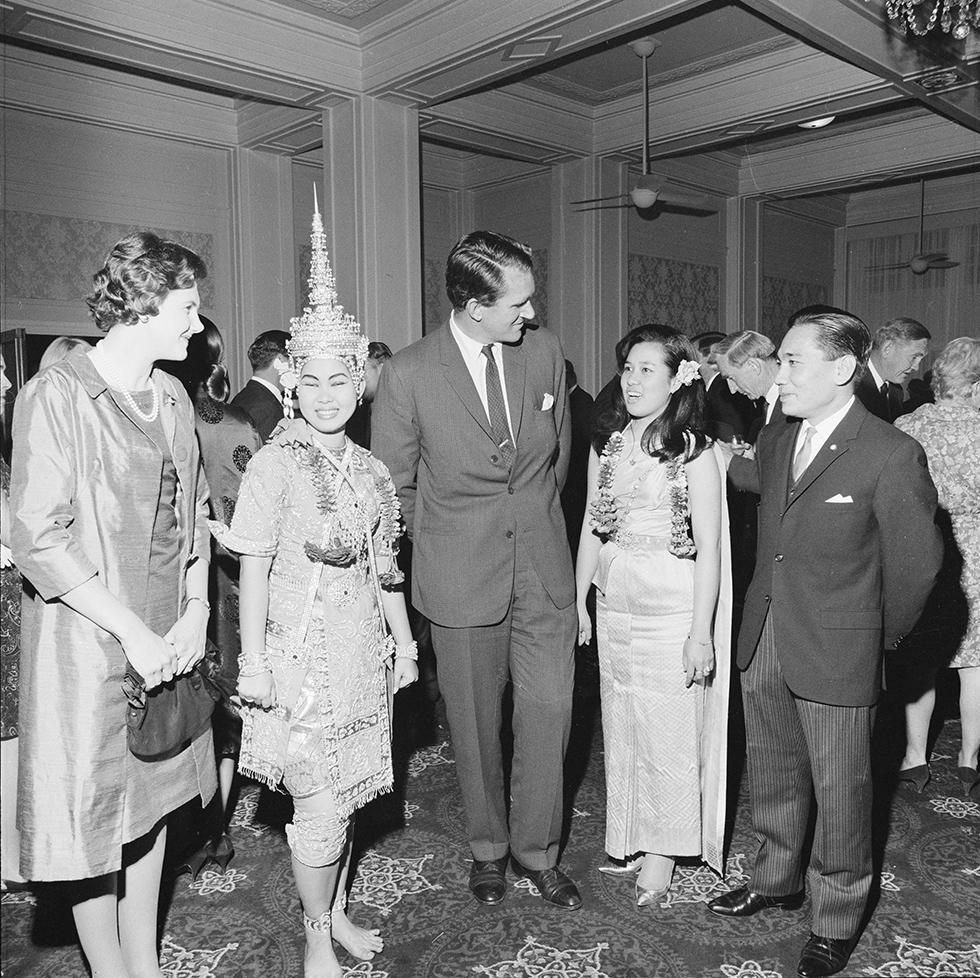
(413, 866)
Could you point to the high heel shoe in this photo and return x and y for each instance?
(224, 851)
(629, 868)
(918, 777)
(195, 862)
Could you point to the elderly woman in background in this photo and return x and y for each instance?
(949, 431)
(228, 441)
(109, 530)
(60, 348)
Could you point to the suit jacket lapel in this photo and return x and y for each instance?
(836, 445)
(459, 379)
(515, 377)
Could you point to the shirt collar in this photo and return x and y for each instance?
(823, 429)
(875, 376)
(470, 348)
(272, 387)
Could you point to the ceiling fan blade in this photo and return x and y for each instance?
(592, 200)
(875, 268)
(695, 201)
(601, 207)
(944, 263)
(932, 256)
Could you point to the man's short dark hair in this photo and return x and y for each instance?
(840, 334)
(266, 347)
(379, 351)
(705, 341)
(901, 330)
(475, 267)
(816, 309)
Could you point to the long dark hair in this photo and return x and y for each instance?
(203, 372)
(679, 431)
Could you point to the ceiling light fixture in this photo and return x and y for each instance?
(956, 17)
(817, 123)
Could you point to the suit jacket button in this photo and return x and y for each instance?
(766, 597)
(494, 459)
(510, 534)
(778, 557)
(511, 490)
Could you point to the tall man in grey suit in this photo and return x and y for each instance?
(848, 552)
(472, 421)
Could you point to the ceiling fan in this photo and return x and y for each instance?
(650, 189)
(921, 262)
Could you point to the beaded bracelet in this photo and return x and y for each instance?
(410, 650)
(204, 601)
(253, 664)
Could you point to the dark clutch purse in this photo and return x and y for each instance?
(163, 723)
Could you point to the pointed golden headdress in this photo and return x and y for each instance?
(324, 329)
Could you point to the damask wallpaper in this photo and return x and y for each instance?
(48, 256)
(681, 294)
(780, 297)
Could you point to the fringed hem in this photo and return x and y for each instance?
(266, 778)
(347, 809)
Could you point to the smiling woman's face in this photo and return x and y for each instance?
(326, 394)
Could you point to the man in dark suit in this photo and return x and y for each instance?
(848, 551)
(748, 360)
(261, 397)
(472, 421)
(899, 347)
(573, 495)
(728, 414)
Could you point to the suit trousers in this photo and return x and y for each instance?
(798, 750)
(533, 648)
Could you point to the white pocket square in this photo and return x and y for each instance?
(840, 499)
(547, 403)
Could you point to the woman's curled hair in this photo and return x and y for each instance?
(679, 431)
(139, 272)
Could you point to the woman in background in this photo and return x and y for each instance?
(108, 518)
(228, 441)
(655, 543)
(949, 432)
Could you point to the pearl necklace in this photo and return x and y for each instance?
(107, 373)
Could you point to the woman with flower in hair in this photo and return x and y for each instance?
(316, 525)
(108, 513)
(654, 543)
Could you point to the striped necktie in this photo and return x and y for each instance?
(497, 410)
(803, 456)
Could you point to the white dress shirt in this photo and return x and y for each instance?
(875, 376)
(476, 364)
(821, 431)
(772, 395)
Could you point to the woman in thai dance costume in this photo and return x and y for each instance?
(316, 525)
(655, 543)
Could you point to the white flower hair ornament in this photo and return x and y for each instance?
(687, 372)
(324, 330)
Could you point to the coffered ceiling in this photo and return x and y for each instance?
(541, 81)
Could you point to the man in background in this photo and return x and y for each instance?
(261, 397)
(576, 485)
(728, 413)
(359, 426)
(898, 349)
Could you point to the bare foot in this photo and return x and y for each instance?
(319, 960)
(358, 941)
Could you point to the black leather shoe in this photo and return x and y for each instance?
(824, 955)
(553, 885)
(743, 903)
(487, 882)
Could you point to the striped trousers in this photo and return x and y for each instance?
(798, 751)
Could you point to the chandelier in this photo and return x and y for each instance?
(956, 17)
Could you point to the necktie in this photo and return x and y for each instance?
(803, 458)
(497, 410)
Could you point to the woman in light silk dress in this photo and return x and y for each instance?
(109, 531)
(663, 613)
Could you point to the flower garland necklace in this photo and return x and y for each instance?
(108, 374)
(607, 515)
